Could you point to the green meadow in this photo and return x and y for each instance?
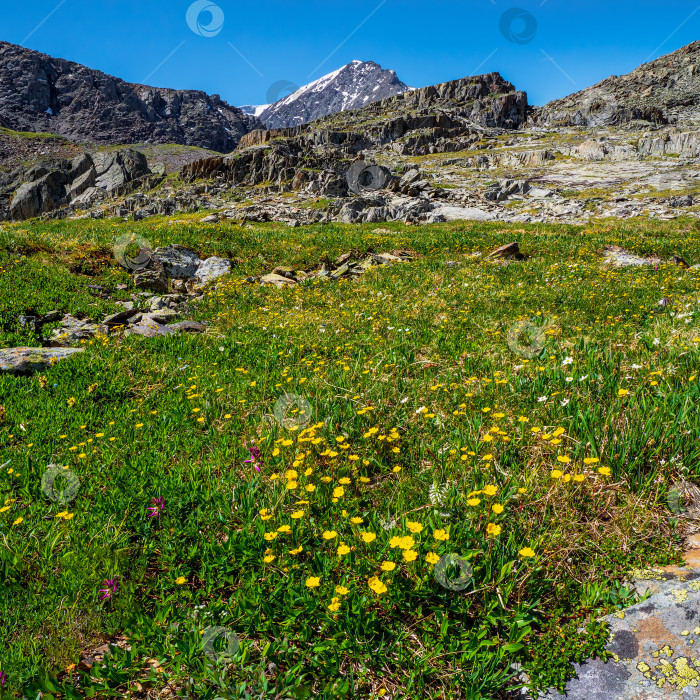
(417, 484)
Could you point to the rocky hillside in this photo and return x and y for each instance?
(355, 85)
(469, 149)
(39, 93)
(665, 91)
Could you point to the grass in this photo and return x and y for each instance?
(421, 429)
(30, 134)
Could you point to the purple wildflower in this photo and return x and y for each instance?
(157, 508)
(110, 587)
(3, 678)
(255, 457)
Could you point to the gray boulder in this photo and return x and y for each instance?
(179, 262)
(505, 188)
(683, 201)
(211, 269)
(115, 168)
(24, 361)
(152, 278)
(41, 196)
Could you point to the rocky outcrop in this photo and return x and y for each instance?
(673, 142)
(39, 93)
(314, 156)
(85, 179)
(488, 100)
(275, 162)
(665, 91)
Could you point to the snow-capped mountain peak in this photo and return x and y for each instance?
(351, 86)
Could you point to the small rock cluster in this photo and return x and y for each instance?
(347, 266)
(178, 268)
(162, 317)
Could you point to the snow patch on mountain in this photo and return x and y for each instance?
(349, 87)
(253, 110)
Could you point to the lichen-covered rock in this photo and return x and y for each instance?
(277, 280)
(153, 279)
(211, 269)
(178, 262)
(654, 644)
(73, 330)
(25, 361)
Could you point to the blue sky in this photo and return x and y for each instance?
(549, 49)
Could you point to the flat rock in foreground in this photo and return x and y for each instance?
(655, 644)
(28, 360)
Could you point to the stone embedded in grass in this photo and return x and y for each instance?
(619, 257)
(510, 251)
(277, 280)
(25, 361)
(211, 269)
(150, 331)
(188, 326)
(177, 261)
(153, 279)
(73, 330)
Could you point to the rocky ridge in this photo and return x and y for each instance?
(39, 93)
(663, 92)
